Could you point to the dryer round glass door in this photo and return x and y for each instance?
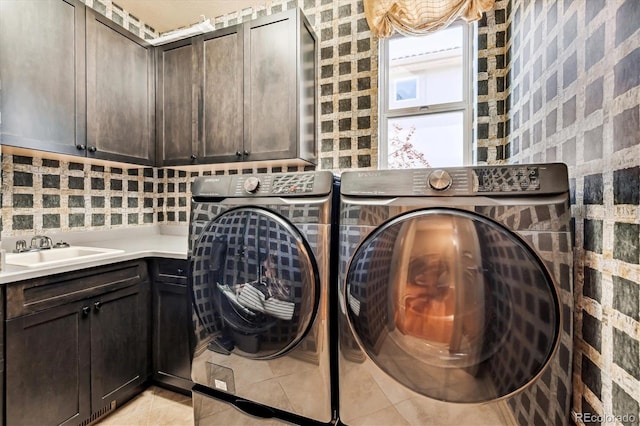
(254, 283)
(452, 305)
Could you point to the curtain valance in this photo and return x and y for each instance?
(419, 17)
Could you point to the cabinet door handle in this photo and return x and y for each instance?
(238, 154)
(97, 305)
(246, 152)
(85, 311)
(80, 147)
(180, 271)
(92, 149)
(193, 157)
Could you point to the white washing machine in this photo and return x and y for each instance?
(259, 275)
(455, 289)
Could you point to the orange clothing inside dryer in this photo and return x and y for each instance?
(425, 318)
(428, 303)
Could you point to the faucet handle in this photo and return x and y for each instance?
(48, 242)
(21, 245)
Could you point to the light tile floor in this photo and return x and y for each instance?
(153, 407)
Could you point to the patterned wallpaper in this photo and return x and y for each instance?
(41, 194)
(492, 86)
(572, 90)
(121, 17)
(557, 81)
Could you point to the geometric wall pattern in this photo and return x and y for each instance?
(557, 80)
(121, 17)
(492, 86)
(574, 96)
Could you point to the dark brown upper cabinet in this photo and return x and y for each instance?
(74, 82)
(253, 94)
(220, 99)
(42, 66)
(175, 97)
(280, 87)
(120, 93)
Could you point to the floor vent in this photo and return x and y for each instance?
(99, 414)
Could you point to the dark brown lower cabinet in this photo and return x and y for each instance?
(119, 345)
(48, 379)
(172, 324)
(77, 344)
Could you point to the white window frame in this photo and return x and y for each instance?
(465, 105)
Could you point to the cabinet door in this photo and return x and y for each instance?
(175, 108)
(270, 77)
(221, 97)
(48, 358)
(171, 334)
(172, 323)
(120, 93)
(42, 66)
(119, 345)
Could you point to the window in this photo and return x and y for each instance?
(406, 89)
(426, 99)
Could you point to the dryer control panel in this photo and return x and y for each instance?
(507, 179)
(512, 180)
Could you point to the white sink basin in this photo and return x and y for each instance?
(56, 256)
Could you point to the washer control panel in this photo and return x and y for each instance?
(252, 184)
(293, 183)
(264, 185)
(279, 184)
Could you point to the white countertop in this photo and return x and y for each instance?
(136, 243)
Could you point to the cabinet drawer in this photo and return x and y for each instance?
(30, 296)
(169, 270)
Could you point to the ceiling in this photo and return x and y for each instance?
(166, 15)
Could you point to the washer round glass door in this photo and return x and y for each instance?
(254, 283)
(462, 311)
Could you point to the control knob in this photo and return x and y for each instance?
(439, 180)
(252, 184)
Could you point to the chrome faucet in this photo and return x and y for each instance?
(38, 242)
(41, 242)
